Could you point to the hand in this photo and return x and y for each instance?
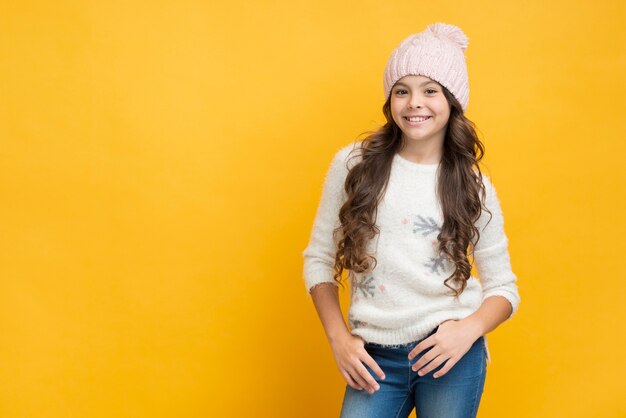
(452, 340)
(349, 354)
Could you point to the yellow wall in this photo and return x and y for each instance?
(161, 163)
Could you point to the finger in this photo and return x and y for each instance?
(446, 368)
(432, 365)
(425, 359)
(367, 376)
(423, 345)
(356, 376)
(369, 360)
(415, 351)
(350, 381)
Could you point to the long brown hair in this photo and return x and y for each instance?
(460, 191)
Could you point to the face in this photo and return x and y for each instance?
(416, 95)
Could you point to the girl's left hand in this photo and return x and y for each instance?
(452, 340)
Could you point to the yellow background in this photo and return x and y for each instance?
(161, 163)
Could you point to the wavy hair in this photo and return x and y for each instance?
(460, 191)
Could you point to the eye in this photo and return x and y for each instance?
(400, 91)
(434, 91)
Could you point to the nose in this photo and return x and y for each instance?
(415, 101)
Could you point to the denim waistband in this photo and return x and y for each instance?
(393, 345)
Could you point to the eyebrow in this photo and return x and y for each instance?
(423, 84)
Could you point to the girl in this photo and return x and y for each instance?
(402, 212)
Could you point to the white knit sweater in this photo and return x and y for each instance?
(403, 298)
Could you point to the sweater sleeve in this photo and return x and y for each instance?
(319, 255)
(491, 255)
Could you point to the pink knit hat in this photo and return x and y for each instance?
(438, 52)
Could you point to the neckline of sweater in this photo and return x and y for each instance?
(413, 166)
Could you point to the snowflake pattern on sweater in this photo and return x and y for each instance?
(428, 225)
(365, 287)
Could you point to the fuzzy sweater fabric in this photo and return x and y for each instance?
(403, 298)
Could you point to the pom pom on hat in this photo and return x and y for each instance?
(438, 52)
(451, 32)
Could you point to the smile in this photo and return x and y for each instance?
(417, 120)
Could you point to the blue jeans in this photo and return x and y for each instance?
(456, 394)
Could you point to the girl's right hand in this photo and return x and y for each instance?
(350, 354)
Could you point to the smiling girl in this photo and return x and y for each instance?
(403, 211)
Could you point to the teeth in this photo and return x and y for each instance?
(418, 119)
